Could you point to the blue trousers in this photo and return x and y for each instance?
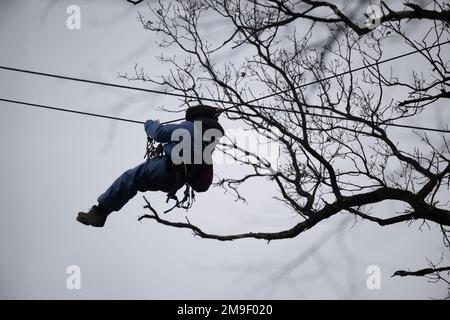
(152, 175)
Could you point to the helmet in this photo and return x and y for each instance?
(202, 112)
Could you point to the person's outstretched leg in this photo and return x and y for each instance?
(118, 194)
(148, 176)
(123, 189)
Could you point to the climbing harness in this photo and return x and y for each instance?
(186, 202)
(154, 150)
(196, 177)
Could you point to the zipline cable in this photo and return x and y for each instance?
(35, 105)
(234, 104)
(41, 106)
(248, 104)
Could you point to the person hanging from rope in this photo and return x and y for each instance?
(183, 157)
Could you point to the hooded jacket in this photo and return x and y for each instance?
(199, 175)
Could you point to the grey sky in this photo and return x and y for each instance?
(56, 164)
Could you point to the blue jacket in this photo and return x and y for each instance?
(163, 133)
(199, 177)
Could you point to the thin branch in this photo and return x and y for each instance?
(421, 272)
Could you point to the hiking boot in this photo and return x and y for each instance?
(94, 217)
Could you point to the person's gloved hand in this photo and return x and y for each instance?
(152, 121)
(149, 124)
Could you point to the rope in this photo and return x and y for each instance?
(141, 122)
(35, 105)
(234, 105)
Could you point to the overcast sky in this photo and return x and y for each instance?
(56, 164)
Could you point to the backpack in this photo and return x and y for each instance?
(200, 176)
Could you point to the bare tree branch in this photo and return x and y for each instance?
(421, 272)
(338, 152)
